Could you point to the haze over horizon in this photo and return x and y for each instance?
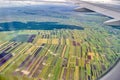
(12, 3)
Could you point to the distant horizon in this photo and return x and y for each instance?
(103, 1)
(17, 3)
(12, 3)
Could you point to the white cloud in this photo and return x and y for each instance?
(99, 0)
(55, 0)
(12, 3)
(103, 1)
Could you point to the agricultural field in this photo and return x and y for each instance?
(53, 42)
(61, 54)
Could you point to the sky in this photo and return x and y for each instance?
(99, 0)
(11, 3)
(103, 1)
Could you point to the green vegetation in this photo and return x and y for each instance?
(53, 55)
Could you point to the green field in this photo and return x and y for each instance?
(57, 54)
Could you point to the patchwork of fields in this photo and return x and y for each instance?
(56, 54)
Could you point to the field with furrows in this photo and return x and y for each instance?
(56, 54)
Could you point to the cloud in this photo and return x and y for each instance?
(12, 3)
(103, 1)
(99, 0)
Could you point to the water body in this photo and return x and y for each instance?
(117, 27)
(38, 17)
(9, 26)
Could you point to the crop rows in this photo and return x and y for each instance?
(59, 55)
